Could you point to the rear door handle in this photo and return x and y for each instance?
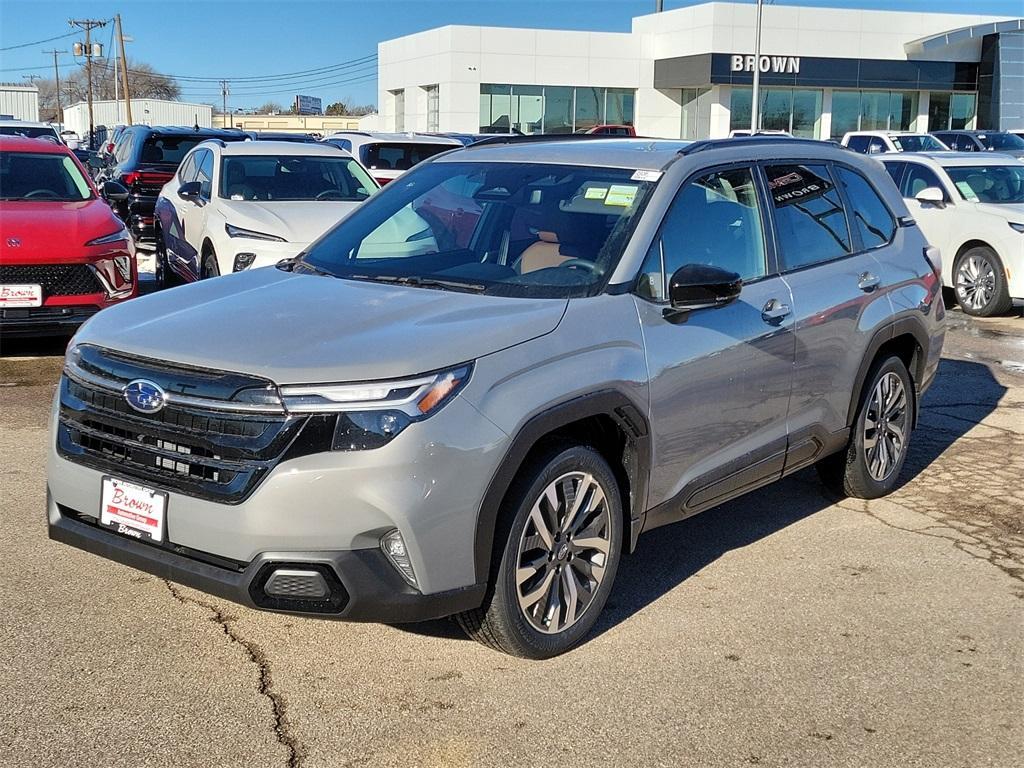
(868, 282)
(775, 312)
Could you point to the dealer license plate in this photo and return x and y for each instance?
(12, 296)
(133, 510)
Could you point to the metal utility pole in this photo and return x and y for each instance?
(659, 6)
(88, 25)
(124, 72)
(225, 89)
(755, 101)
(56, 77)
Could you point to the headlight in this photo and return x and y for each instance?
(113, 237)
(234, 231)
(1016, 226)
(371, 415)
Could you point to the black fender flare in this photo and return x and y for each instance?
(903, 326)
(627, 414)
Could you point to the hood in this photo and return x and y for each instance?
(1008, 211)
(297, 329)
(297, 221)
(34, 224)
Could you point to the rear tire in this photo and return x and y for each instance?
(979, 281)
(552, 570)
(880, 439)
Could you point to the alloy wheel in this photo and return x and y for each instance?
(563, 552)
(975, 282)
(885, 426)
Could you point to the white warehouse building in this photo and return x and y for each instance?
(687, 73)
(108, 113)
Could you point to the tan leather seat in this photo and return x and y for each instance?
(542, 254)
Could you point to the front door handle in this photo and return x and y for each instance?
(868, 282)
(775, 312)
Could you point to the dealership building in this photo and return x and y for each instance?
(688, 73)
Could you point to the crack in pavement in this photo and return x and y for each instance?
(255, 654)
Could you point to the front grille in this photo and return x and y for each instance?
(204, 448)
(56, 279)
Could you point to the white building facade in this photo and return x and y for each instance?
(108, 113)
(19, 102)
(687, 73)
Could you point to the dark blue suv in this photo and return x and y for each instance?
(144, 159)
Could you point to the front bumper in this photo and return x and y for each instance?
(44, 321)
(365, 587)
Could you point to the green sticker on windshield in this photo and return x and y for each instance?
(620, 194)
(967, 191)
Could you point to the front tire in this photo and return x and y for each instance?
(556, 554)
(980, 283)
(165, 276)
(880, 439)
(210, 267)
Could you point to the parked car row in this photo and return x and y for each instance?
(877, 142)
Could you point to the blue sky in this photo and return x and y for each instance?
(250, 38)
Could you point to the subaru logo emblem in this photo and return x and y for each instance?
(145, 396)
(13, 242)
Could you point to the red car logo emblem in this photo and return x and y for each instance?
(13, 242)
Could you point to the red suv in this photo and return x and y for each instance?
(64, 255)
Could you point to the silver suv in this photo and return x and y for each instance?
(591, 338)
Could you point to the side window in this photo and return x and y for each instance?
(895, 171)
(871, 216)
(715, 220)
(858, 144)
(187, 172)
(123, 149)
(343, 143)
(809, 217)
(965, 144)
(205, 176)
(918, 177)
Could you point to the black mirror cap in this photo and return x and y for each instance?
(189, 190)
(701, 286)
(114, 191)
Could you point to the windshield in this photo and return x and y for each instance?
(999, 141)
(400, 156)
(989, 183)
(28, 131)
(525, 230)
(31, 176)
(919, 143)
(291, 177)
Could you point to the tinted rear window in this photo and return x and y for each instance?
(161, 149)
(398, 157)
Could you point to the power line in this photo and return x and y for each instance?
(38, 42)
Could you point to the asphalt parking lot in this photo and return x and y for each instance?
(788, 628)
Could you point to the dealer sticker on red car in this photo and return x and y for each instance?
(133, 510)
(12, 296)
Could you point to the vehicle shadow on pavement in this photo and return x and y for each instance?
(962, 396)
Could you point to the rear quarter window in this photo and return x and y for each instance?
(809, 216)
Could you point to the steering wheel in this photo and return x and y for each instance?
(328, 194)
(41, 193)
(590, 266)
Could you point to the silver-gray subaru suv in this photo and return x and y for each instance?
(473, 394)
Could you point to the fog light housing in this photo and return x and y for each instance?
(394, 548)
(366, 430)
(243, 261)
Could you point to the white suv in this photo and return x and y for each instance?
(877, 142)
(970, 206)
(236, 205)
(389, 155)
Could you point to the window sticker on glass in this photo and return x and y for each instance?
(645, 175)
(620, 194)
(596, 193)
(967, 191)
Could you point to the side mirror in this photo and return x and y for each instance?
(931, 195)
(700, 286)
(114, 192)
(189, 191)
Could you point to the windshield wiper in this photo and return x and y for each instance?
(296, 262)
(421, 282)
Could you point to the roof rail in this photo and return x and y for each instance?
(735, 141)
(213, 140)
(540, 138)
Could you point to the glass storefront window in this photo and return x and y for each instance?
(553, 108)
(806, 114)
(963, 110)
(903, 110)
(797, 111)
(874, 110)
(588, 108)
(696, 113)
(938, 111)
(845, 112)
